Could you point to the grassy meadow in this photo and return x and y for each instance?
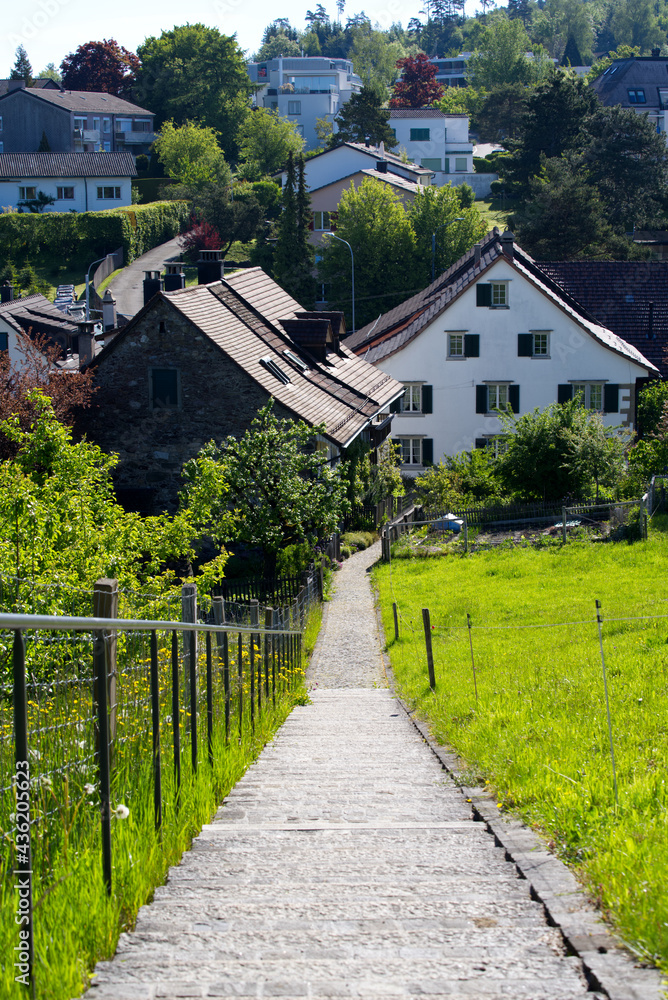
(537, 732)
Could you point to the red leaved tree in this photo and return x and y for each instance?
(418, 87)
(70, 391)
(102, 67)
(201, 236)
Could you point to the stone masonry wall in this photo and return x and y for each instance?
(216, 398)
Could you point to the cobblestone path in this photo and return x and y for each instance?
(345, 863)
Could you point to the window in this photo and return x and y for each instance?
(533, 345)
(417, 398)
(2, 147)
(603, 396)
(463, 345)
(124, 124)
(96, 124)
(4, 342)
(164, 387)
(107, 147)
(273, 106)
(294, 107)
(65, 193)
(141, 125)
(27, 193)
(492, 397)
(431, 163)
(108, 193)
(460, 163)
(663, 100)
(416, 450)
(499, 291)
(80, 123)
(299, 129)
(496, 443)
(106, 124)
(1, 123)
(591, 392)
(321, 222)
(419, 135)
(446, 166)
(637, 96)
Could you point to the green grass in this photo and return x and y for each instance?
(537, 735)
(494, 212)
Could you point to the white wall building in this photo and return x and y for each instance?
(303, 89)
(494, 332)
(78, 182)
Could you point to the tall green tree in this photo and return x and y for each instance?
(265, 140)
(294, 255)
(22, 70)
(439, 221)
(195, 73)
(363, 117)
(191, 154)
(373, 221)
(501, 56)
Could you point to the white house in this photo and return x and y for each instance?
(350, 157)
(440, 142)
(493, 332)
(303, 89)
(78, 182)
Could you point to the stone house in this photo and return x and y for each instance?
(198, 363)
(494, 332)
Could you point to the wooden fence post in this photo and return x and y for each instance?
(427, 640)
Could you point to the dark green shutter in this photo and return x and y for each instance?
(472, 345)
(395, 405)
(611, 398)
(427, 451)
(514, 397)
(483, 294)
(481, 399)
(481, 442)
(4, 341)
(427, 398)
(525, 345)
(564, 392)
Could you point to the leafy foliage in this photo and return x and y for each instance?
(293, 257)
(105, 67)
(266, 140)
(363, 118)
(418, 87)
(191, 154)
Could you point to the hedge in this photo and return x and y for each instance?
(76, 235)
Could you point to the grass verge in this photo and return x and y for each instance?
(536, 733)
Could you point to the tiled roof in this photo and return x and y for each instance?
(39, 165)
(396, 328)
(35, 85)
(243, 314)
(629, 297)
(422, 113)
(373, 152)
(387, 178)
(35, 314)
(84, 101)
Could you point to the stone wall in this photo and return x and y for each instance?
(216, 398)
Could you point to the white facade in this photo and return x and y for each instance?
(472, 351)
(351, 157)
(440, 142)
(71, 194)
(302, 90)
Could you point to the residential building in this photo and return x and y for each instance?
(495, 332)
(78, 182)
(451, 71)
(350, 157)
(440, 142)
(34, 316)
(640, 83)
(304, 89)
(198, 363)
(73, 121)
(39, 84)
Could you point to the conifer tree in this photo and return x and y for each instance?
(22, 69)
(293, 261)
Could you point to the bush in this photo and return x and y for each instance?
(357, 541)
(346, 551)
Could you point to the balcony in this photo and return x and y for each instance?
(134, 138)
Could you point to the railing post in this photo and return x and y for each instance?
(427, 639)
(175, 715)
(268, 647)
(105, 605)
(189, 614)
(102, 719)
(255, 622)
(240, 673)
(155, 720)
(223, 649)
(209, 697)
(396, 623)
(23, 869)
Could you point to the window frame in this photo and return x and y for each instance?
(61, 193)
(499, 390)
(458, 168)
(424, 135)
(432, 163)
(151, 390)
(540, 333)
(586, 389)
(457, 356)
(116, 196)
(495, 289)
(294, 107)
(322, 228)
(639, 96)
(414, 446)
(25, 195)
(412, 394)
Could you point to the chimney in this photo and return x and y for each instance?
(656, 53)
(153, 284)
(381, 166)
(174, 278)
(507, 241)
(477, 250)
(6, 292)
(108, 311)
(85, 342)
(15, 85)
(210, 267)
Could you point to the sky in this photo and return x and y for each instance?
(50, 29)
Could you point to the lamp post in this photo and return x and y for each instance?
(433, 243)
(352, 259)
(88, 285)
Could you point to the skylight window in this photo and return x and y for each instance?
(275, 370)
(295, 361)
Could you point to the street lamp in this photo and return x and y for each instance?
(433, 243)
(352, 258)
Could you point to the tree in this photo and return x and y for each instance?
(502, 112)
(363, 118)
(433, 216)
(266, 140)
(102, 67)
(50, 72)
(236, 219)
(278, 45)
(191, 154)
(294, 255)
(44, 146)
(283, 490)
(634, 22)
(194, 73)
(22, 70)
(418, 86)
(375, 57)
(501, 58)
(564, 25)
(373, 221)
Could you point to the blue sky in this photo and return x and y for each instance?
(50, 29)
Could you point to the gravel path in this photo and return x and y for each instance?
(345, 863)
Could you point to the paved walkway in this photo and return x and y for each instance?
(128, 287)
(345, 863)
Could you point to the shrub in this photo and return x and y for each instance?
(202, 236)
(358, 540)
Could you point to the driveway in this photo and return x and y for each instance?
(128, 285)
